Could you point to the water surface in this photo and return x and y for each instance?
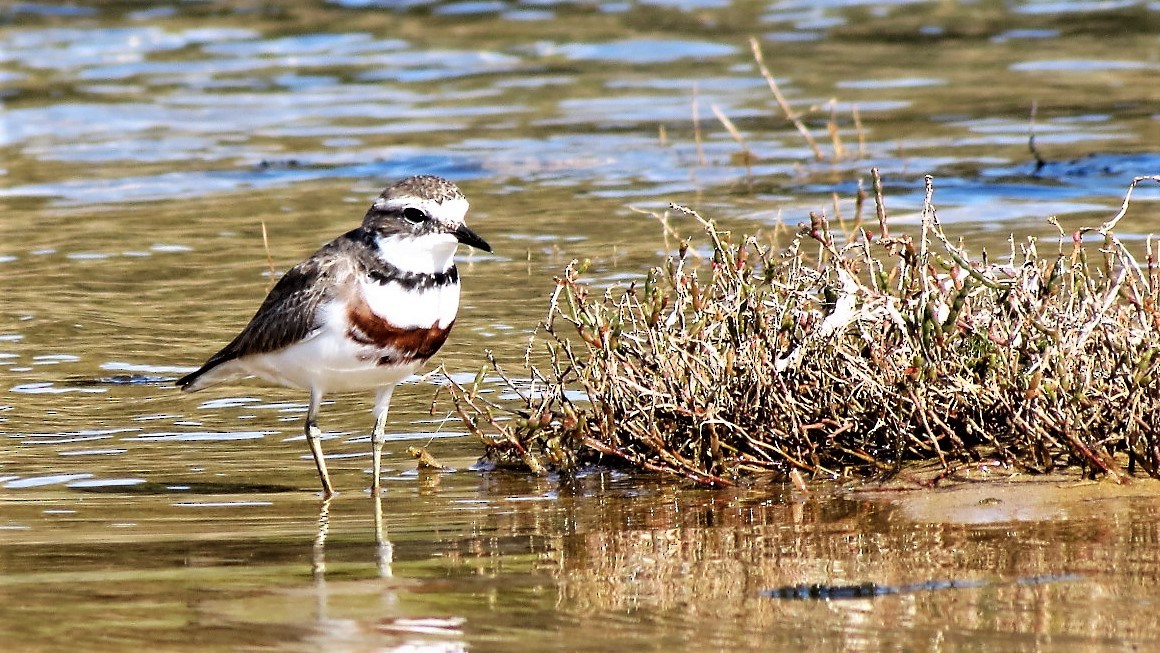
(145, 145)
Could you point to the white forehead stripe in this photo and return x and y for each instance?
(450, 211)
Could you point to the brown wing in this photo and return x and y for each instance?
(290, 312)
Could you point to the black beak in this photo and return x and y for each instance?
(469, 237)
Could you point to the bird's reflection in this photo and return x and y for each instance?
(384, 550)
(383, 546)
(318, 559)
(336, 627)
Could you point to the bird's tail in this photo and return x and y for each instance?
(212, 373)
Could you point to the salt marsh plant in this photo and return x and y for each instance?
(843, 354)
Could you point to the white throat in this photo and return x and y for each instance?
(426, 254)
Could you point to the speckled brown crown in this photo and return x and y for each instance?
(424, 187)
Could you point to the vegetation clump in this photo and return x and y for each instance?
(844, 358)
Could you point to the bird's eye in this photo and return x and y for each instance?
(414, 215)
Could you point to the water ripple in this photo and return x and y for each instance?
(200, 436)
(48, 388)
(639, 51)
(187, 184)
(40, 481)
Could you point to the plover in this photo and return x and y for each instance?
(364, 312)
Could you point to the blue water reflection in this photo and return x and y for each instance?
(171, 110)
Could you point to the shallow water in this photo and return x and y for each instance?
(145, 145)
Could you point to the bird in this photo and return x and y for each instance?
(364, 312)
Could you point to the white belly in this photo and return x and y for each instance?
(328, 362)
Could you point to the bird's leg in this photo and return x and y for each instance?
(313, 437)
(379, 435)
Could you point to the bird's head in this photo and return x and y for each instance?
(418, 222)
